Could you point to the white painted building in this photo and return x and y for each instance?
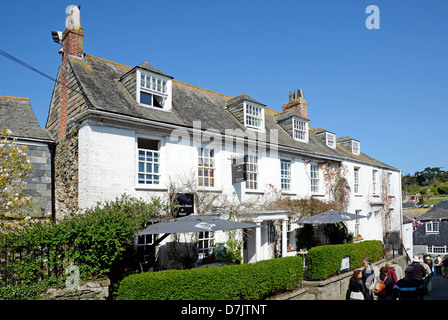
(138, 131)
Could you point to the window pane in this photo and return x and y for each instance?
(146, 98)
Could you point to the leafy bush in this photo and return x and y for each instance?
(325, 261)
(233, 282)
(24, 291)
(93, 240)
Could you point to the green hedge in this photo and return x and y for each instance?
(325, 261)
(251, 281)
(95, 241)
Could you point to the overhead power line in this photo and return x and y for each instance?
(26, 65)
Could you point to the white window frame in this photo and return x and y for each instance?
(314, 178)
(206, 167)
(331, 140)
(147, 157)
(206, 244)
(148, 82)
(253, 116)
(375, 181)
(252, 175)
(432, 227)
(285, 174)
(356, 147)
(300, 129)
(356, 180)
(436, 249)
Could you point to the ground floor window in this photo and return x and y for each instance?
(206, 243)
(437, 249)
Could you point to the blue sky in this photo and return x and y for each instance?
(384, 87)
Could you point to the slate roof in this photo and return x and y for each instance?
(100, 81)
(19, 117)
(437, 212)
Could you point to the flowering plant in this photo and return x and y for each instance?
(15, 166)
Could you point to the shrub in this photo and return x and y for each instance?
(93, 240)
(233, 282)
(325, 261)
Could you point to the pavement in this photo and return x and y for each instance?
(439, 289)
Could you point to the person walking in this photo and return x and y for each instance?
(408, 288)
(368, 277)
(388, 282)
(419, 272)
(427, 279)
(438, 266)
(398, 270)
(356, 288)
(391, 272)
(445, 266)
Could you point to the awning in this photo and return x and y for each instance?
(195, 223)
(330, 217)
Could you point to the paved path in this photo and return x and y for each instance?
(439, 289)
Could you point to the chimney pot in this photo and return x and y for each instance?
(297, 102)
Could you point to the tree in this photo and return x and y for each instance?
(15, 166)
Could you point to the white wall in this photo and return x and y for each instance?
(107, 165)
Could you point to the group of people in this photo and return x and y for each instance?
(414, 284)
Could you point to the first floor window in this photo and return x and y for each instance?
(432, 227)
(314, 178)
(356, 178)
(206, 167)
(375, 181)
(206, 243)
(251, 171)
(148, 161)
(285, 173)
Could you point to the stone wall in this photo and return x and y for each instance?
(333, 288)
(66, 175)
(89, 290)
(39, 182)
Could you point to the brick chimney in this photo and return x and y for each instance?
(73, 36)
(73, 46)
(297, 103)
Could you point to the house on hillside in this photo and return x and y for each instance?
(18, 116)
(430, 236)
(137, 130)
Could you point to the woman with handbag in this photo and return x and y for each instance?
(356, 288)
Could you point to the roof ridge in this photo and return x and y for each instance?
(15, 98)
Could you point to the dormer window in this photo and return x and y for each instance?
(253, 116)
(350, 144)
(300, 129)
(355, 147)
(153, 90)
(331, 140)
